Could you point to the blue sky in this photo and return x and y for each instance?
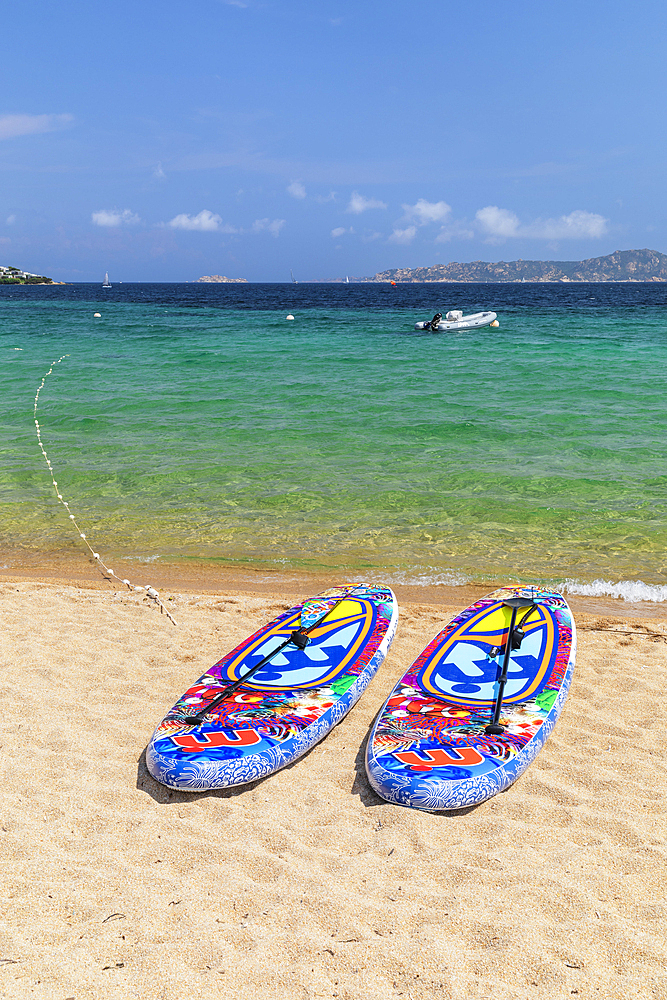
(163, 141)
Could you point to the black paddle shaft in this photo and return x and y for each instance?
(299, 638)
(495, 729)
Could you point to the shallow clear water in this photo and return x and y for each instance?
(195, 421)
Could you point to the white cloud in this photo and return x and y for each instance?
(424, 211)
(297, 190)
(272, 227)
(403, 235)
(340, 231)
(207, 222)
(11, 219)
(498, 222)
(12, 126)
(323, 199)
(159, 173)
(358, 203)
(204, 222)
(501, 224)
(578, 225)
(111, 218)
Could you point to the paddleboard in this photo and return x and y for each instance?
(434, 745)
(277, 693)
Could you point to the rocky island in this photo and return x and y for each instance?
(14, 276)
(623, 265)
(218, 278)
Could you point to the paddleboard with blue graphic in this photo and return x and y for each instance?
(434, 745)
(286, 705)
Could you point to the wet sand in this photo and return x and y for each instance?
(306, 884)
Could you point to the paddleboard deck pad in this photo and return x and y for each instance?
(429, 748)
(290, 702)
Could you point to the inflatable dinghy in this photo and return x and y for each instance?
(455, 320)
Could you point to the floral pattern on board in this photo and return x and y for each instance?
(429, 748)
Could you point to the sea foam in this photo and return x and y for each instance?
(626, 590)
(631, 591)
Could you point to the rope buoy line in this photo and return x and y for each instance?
(151, 592)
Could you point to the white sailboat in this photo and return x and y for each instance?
(347, 280)
(294, 281)
(106, 283)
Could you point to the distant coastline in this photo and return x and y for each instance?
(632, 266)
(623, 265)
(221, 279)
(14, 276)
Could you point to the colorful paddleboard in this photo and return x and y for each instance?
(278, 693)
(443, 740)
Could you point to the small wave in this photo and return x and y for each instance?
(427, 578)
(631, 591)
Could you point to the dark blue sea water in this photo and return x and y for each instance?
(194, 420)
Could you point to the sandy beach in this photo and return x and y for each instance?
(306, 884)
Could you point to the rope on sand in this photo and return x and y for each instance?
(151, 592)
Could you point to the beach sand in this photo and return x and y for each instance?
(306, 884)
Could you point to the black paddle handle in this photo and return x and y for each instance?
(495, 729)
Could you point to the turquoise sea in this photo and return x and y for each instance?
(195, 421)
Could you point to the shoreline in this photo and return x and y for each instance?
(203, 577)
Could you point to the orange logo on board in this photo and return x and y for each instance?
(211, 741)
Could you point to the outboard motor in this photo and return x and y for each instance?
(433, 325)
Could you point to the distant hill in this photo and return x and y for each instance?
(221, 279)
(14, 276)
(623, 265)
